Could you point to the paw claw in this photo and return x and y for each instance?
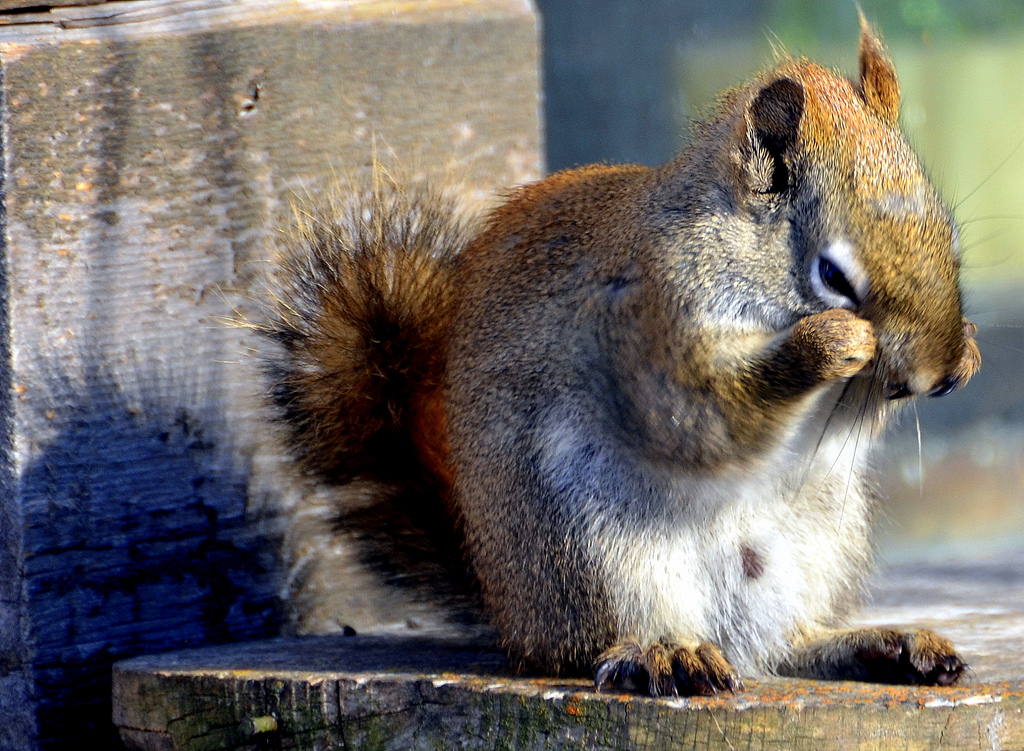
(603, 675)
(734, 684)
(618, 666)
(666, 670)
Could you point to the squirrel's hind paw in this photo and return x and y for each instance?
(917, 657)
(880, 655)
(665, 670)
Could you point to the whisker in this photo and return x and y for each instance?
(992, 174)
(846, 441)
(860, 420)
(920, 456)
(838, 404)
(988, 238)
(990, 343)
(824, 430)
(989, 218)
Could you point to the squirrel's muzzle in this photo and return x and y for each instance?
(945, 382)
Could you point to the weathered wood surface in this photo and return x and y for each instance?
(149, 151)
(8, 5)
(388, 692)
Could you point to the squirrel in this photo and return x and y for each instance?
(637, 402)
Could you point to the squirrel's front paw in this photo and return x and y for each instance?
(666, 670)
(839, 342)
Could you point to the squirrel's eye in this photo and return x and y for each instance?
(835, 280)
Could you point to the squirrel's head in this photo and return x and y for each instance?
(865, 227)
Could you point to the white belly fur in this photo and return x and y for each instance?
(682, 579)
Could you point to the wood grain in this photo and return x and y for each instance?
(389, 692)
(151, 152)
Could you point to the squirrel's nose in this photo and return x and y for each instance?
(902, 390)
(946, 385)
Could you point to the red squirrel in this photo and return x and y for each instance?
(639, 399)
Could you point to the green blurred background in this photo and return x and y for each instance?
(623, 80)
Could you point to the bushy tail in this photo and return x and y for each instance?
(362, 302)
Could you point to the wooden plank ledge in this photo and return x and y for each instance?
(427, 692)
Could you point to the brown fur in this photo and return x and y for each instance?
(363, 303)
(622, 367)
(360, 308)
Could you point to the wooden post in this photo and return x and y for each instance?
(388, 692)
(149, 150)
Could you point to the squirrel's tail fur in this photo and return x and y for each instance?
(361, 303)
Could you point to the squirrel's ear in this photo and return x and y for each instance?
(878, 83)
(774, 123)
(775, 114)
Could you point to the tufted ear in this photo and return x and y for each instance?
(774, 119)
(878, 84)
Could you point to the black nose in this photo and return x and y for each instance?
(898, 391)
(948, 384)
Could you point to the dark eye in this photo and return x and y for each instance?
(836, 280)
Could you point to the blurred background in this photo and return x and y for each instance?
(623, 80)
